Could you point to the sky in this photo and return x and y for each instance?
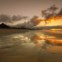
(28, 8)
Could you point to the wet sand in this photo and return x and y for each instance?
(27, 54)
(11, 31)
(17, 51)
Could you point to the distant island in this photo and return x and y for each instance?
(2, 26)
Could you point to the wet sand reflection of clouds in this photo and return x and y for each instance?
(30, 46)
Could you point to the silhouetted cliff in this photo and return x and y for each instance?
(4, 26)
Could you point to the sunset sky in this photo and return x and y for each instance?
(26, 7)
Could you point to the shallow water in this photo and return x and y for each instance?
(30, 46)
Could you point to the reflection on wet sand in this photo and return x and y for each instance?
(31, 46)
(52, 39)
(55, 49)
(54, 36)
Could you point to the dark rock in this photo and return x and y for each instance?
(4, 26)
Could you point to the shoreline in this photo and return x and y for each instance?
(13, 31)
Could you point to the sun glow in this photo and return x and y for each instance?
(54, 21)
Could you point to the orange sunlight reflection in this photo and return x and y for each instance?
(40, 39)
